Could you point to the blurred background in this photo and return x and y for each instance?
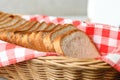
(97, 11)
(63, 8)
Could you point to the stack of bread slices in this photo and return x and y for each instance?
(65, 39)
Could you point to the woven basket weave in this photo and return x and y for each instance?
(60, 68)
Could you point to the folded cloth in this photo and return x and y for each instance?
(105, 37)
(11, 54)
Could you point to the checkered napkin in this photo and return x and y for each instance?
(105, 37)
(10, 53)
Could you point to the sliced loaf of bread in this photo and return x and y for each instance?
(65, 39)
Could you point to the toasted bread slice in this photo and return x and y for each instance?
(75, 43)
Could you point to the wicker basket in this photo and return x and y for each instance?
(59, 68)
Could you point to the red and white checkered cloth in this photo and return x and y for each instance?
(105, 37)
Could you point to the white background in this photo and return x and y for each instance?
(104, 11)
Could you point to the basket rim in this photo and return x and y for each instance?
(73, 63)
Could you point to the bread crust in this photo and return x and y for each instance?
(4, 16)
(57, 42)
(3, 35)
(48, 41)
(31, 39)
(41, 27)
(40, 36)
(26, 27)
(5, 21)
(18, 39)
(34, 27)
(10, 24)
(25, 41)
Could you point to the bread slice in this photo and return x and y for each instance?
(40, 35)
(28, 39)
(58, 26)
(4, 16)
(17, 38)
(41, 27)
(7, 20)
(27, 27)
(75, 44)
(44, 34)
(3, 22)
(22, 23)
(10, 36)
(50, 27)
(24, 40)
(37, 27)
(34, 27)
(5, 36)
(11, 23)
(32, 36)
(52, 35)
(18, 24)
